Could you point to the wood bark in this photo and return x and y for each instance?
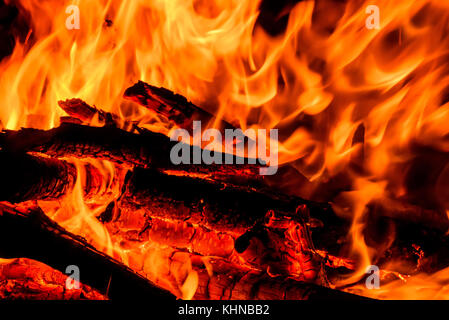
(235, 218)
(219, 206)
(31, 177)
(227, 227)
(147, 149)
(178, 112)
(266, 230)
(45, 241)
(175, 108)
(25, 231)
(233, 282)
(223, 210)
(26, 177)
(82, 113)
(26, 279)
(204, 241)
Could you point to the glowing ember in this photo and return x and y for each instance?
(362, 117)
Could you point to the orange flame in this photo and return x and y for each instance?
(317, 82)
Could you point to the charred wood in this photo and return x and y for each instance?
(217, 206)
(233, 282)
(218, 279)
(82, 113)
(31, 177)
(268, 231)
(25, 231)
(175, 108)
(43, 239)
(26, 279)
(26, 177)
(147, 149)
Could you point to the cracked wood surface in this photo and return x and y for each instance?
(27, 279)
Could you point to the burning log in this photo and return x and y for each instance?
(401, 210)
(177, 234)
(255, 229)
(26, 231)
(32, 280)
(175, 108)
(192, 276)
(251, 282)
(147, 149)
(43, 239)
(234, 282)
(228, 221)
(82, 113)
(208, 239)
(204, 243)
(85, 113)
(81, 141)
(27, 177)
(217, 206)
(213, 219)
(32, 177)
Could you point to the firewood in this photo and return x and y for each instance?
(25, 177)
(81, 113)
(147, 149)
(206, 240)
(25, 231)
(91, 115)
(275, 252)
(176, 109)
(231, 213)
(237, 223)
(209, 239)
(218, 206)
(193, 276)
(141, 227)
(43, 240)
(319, 237)
(31, 177)
(233, 282)
(200, 239)
(26, 279)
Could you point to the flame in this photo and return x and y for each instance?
(319, 81)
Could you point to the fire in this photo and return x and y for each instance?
(321, 81)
